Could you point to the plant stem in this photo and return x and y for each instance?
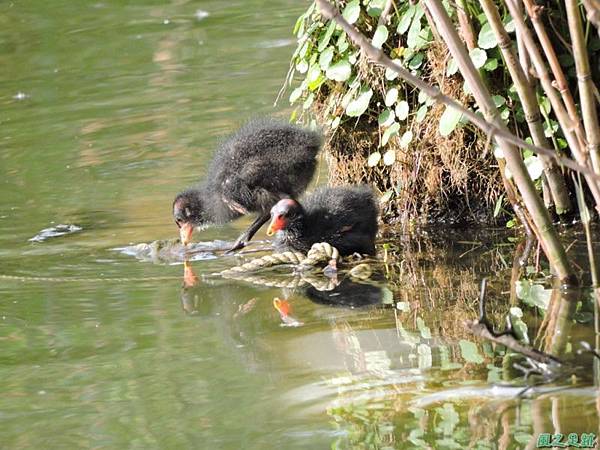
(548, 236)
(554, 177)
(586, 85)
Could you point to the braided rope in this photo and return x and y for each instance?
(266, 261)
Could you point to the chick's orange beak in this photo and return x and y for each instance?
(185, 233)
(277, 223)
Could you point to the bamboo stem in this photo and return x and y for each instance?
(548, 236)
(464, 22)
(585, 83)
(554, 177)
(378, 57)
(567, 124)
(592, 8)
(523, 55)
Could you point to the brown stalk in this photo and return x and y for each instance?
(534, 11)
(547, 234)
(592, 8)
(585, 83)
(554, 177)
(464, 22)
(378, 57)
(567, 124)
(523, 55)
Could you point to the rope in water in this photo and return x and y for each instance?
(319, 252)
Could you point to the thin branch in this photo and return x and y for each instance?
(385, 13)
(378, 57)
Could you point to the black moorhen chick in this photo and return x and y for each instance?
(345, 217)
(262, 163)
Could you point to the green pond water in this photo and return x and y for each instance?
(107, 109)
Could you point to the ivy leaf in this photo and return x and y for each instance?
(509, 24)
(414, 39)
(325, 58)
(406, 139)
(302, 66)
(478, 56)
(380, 36)
(389, 157)
(342, 43)
(391, 97)
(375, 8)
(449, 120)
(386, 118)
(351, 11)
(402, 110)
(391, 131)
(374, 159)
(498, 100)
(486, 38)
(340, 71)
(359, 105)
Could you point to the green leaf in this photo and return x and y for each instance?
(470, 352)
(402, 110)
(324, 41)
(386, 197)
(335, 123)
(326, 57)
(389, 157)
(491, 65)
(499, 100)
(342, 43)
(380, 36)
(509, 24)
(374, 159)
(386, 118)
(449, 120)
(358, 106)
(414, 39)
(406, 139)
(389, 133)
(406, 19)
(351, 11)
(416, 61)
(296, 94)
(478, 56)
(313, 73)
(340, 71)
(375, 7)
(421, 113)
(487, 38)
(498, 206)
(391, 97)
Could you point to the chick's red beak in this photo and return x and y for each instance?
(185, 233)
(277, 223)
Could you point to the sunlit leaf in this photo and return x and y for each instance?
(470, 352)
(380, 36)
(534, 167)
(351, 11)
(406, 19)
(498, 100)
(389, 157)
(324, 41)
(406, 139)
(335, 123)
(509, 24)
(296, 93)
(479, 57)
(402, 110)
(449, 120)
(309, 101)
(392, 74)
(452, 67)
(374, 159)
(359, 105)
(487, 37)
(339, 71)
(391, 96)
(302, 66)
(325, 58)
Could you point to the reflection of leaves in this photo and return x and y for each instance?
(533, 294)
(470, 352)
(449, 418)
